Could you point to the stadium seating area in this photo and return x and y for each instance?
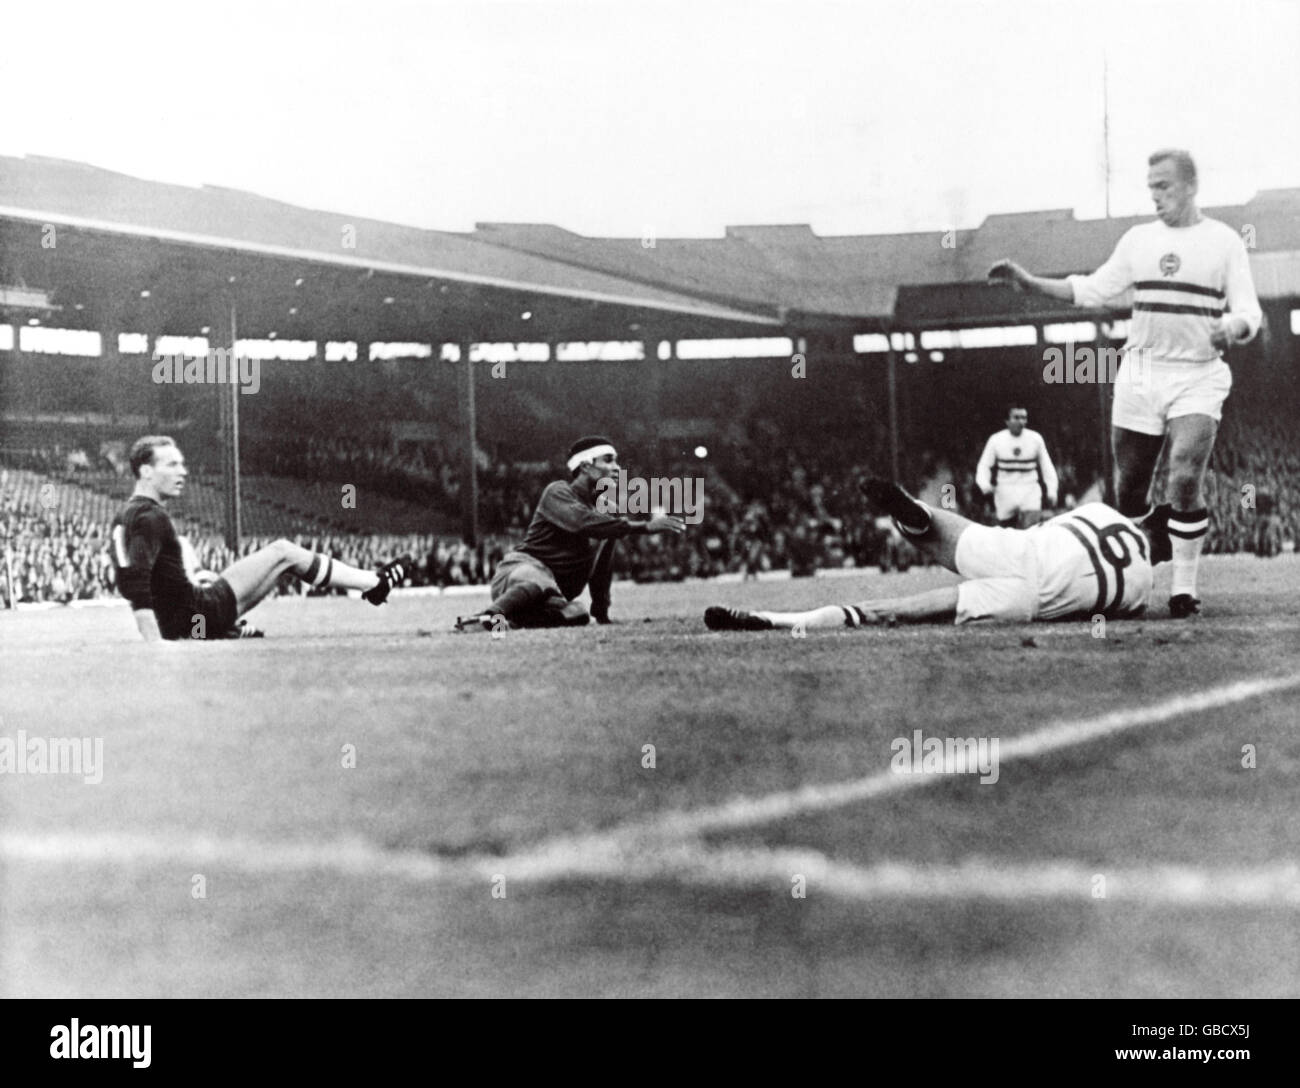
(777, 497)
(55, 536)
(1253, 493)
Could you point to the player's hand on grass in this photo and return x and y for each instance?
(666, 523)
(1007, 273)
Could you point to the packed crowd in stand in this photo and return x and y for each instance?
(770, 503)
(424, 473)
(1253, 493)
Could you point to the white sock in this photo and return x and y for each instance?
(1187, 529)
(830, 616)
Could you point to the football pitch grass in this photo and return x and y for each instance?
(364, 804)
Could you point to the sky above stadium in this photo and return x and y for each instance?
(626, 117)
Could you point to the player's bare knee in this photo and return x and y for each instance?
(289, 554)
(1185, 490)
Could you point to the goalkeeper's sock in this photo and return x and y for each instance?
(1187, 529)
(326, 572)
(320, 570)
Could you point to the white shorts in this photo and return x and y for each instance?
(1090, 561)
(1155, 392)
(1011, 498)
(1002, 566)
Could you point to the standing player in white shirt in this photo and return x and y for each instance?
(1193, 298)
(1016, 470)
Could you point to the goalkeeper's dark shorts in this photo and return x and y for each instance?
(549, 608)
(516, 568)
(214, 612)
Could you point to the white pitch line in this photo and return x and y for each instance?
(774, 870)
(755, 870)
(658, 848)
(747, 812)
(193, 853)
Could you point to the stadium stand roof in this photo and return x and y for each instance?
(116, 236)
(295, 274)
(926, 276)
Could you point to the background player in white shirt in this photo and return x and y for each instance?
(1016, 470)
(1090, 562)
(1193, 298)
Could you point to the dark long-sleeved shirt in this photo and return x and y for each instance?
(563, 536)
(150, 568)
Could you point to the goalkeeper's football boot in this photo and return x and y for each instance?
(391, 575)
(243, 629)
(718, 618)
(1183, 605)
(1156, 527)
(481, 621)
(908, 513)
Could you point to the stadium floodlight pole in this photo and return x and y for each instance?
(1103, 389)
(892, 369)
(469, 424)
(1105, 122)
(228, 396)
(110, 326)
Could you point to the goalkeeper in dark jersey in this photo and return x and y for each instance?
(151, 570)
(569, 546)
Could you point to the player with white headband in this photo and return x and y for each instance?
(569, 547)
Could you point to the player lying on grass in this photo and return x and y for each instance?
(1091, 561)
(151, 571)
(569, 546)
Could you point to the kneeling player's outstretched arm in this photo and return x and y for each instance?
(602, 574)
(147, 623)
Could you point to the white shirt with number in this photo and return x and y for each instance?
(1111, 577)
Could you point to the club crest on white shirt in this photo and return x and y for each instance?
(1170, 264)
